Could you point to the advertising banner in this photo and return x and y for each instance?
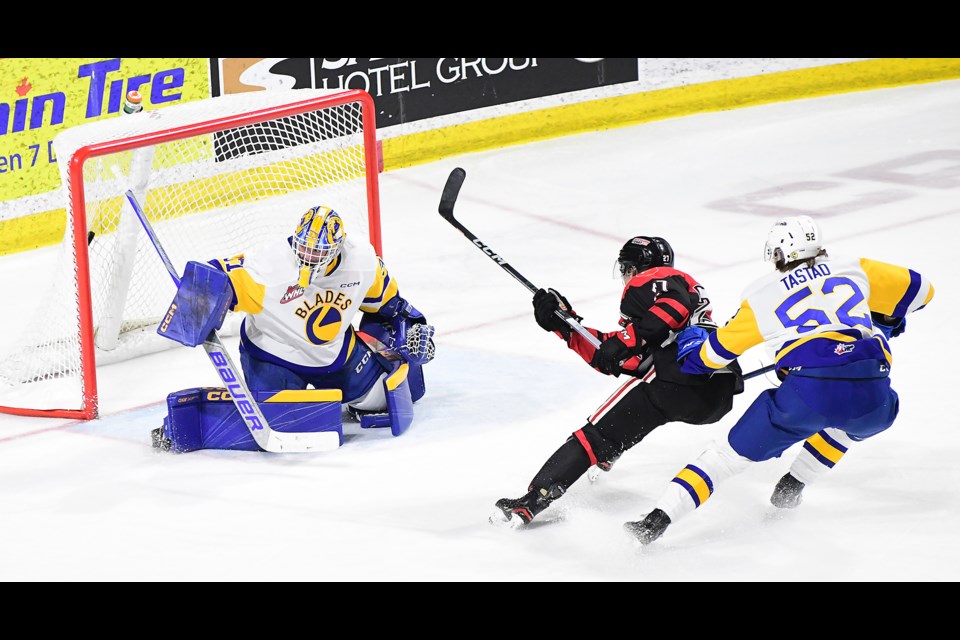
(39, 97)
(409, 89)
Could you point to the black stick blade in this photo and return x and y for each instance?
(451, 190)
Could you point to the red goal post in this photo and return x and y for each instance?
(215, 177)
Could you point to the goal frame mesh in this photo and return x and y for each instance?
(77, 227)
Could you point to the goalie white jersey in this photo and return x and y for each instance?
(306, 329)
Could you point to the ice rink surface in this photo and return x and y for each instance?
(880, 170)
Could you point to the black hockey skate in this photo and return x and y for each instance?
(650, 528)
(788, 493)
(521, 511)
(159, 440)
(608, 465)
(593, 473)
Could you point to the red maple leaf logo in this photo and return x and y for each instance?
(24, 87)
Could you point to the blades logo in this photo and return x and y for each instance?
(292, 293)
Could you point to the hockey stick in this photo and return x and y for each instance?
(265, 437)
(448, 198)
(760, 371)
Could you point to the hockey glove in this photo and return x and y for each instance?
(415, 345)
(689, 341)
(890, 326)
(608, 357)
(546, 302)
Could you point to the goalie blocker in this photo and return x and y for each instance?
(207, 418)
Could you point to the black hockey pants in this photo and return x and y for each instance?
(637, 407)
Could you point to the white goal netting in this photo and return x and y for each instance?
(215, 177)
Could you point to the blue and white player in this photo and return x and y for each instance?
(829, 322)
(301, 295)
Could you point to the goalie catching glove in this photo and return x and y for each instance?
(407, 331)
(415, 344)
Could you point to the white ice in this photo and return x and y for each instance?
(93, 502)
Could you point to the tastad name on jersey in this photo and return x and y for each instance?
(804, 274)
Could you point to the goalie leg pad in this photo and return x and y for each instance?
(399, 415)
(374, 340)
(417, 385)
(206, 418)
(200, 305)
(360, 374)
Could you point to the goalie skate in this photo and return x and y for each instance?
(159, 440)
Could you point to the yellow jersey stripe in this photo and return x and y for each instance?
(735, 337)
(832, 335)
(249, 292)
(888, 284)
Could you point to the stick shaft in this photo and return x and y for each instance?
(759, 372)
(448, 199)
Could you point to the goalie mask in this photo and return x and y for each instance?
(642, 253)
(317, 241)
(791, 239)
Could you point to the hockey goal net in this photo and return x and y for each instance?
(215, 177)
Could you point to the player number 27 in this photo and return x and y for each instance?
(811, 318)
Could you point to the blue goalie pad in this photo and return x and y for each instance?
(417, 385)
(374, 334)
(206, 418)
(399, 415)
(200, 305)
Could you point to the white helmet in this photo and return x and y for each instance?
(794, 238)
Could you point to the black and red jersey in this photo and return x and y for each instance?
(655, 304)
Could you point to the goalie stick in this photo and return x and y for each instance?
(266, 438)
(448, 198)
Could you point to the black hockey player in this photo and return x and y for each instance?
(657, 302)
